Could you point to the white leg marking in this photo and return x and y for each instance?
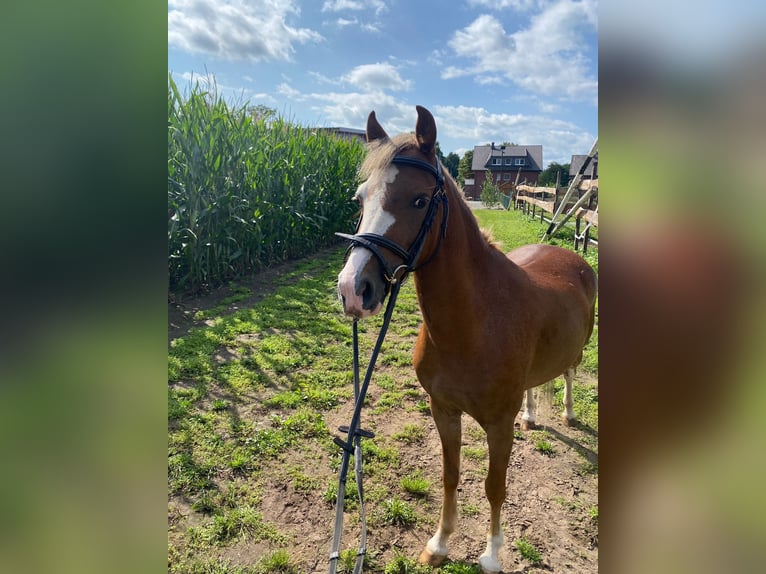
(568, 399)
(437, 545)
(529, 406)
(489, 561)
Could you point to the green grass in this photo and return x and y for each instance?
(475, 453)
(239, 293)
(398, 512)
(416, 484)
(459, 567)
(208, 566)
(593, 513)
(410, 434)
(545, 447)
(220, 405)
(402, 564)
(470, 509)
(527, 551)
(278, 562)
(243, 523)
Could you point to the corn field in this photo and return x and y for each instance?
(245, 192)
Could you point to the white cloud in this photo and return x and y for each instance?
(519, 5)
(322, 79)
(560, 139)
(350, 109)
(549, 108)
(468, 125)
(489, 80)
(549, 57)
(380, 76)
(348, 22)
(340, 5)
(234, 30)
(287, 90)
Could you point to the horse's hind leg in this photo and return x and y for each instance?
(500, 441)
(449, 426)
(568, 416)
(528, 416)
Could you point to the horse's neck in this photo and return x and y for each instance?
(449, 287)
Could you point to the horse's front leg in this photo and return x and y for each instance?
(448, 424)
(499, 441)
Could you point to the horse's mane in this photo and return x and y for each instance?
(381, 152)
(491, 241)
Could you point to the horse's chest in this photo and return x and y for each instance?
(465, 384)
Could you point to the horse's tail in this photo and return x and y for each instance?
(546, 394)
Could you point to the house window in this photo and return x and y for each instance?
(496, 161)
(507, 176)
(508, 161)
(520, 161)
(499, 176)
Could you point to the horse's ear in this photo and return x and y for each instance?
(374, 130)
(425, 131)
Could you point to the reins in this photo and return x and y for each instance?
(353, 443)
(394, 277)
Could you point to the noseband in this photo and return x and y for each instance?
(372, 241)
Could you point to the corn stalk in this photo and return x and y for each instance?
(248, 192)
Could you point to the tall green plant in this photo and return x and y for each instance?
(246, 191)
(490, 194)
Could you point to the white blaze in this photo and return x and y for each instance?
(372, 193)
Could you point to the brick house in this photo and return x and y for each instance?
(591, 172)
(504, 162)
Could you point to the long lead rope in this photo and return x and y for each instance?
(353, 443)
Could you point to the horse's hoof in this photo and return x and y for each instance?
(428, 557)
(569, 422)
(489, 565)
(528, 425)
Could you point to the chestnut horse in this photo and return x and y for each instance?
(493, 325)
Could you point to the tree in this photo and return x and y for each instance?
(490, 194)
(547, 177)
(464, 170)
(262, 112)
(438, 152)
(451, 162)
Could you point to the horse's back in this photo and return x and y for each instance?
(555, 267)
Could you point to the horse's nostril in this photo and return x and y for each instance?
(366, 292)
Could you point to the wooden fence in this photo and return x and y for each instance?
(547, 200)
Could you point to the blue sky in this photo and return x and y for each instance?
(523, 71)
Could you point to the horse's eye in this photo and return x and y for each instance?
(421, 202)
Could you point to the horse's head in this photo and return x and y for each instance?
(399, 198)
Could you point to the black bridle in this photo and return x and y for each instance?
(394, 278)
(409, 257)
